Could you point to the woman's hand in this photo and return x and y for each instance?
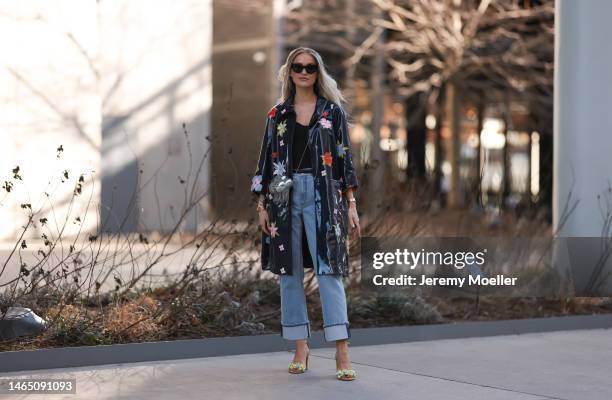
(264, 221)
(354, 218)
(352, 211)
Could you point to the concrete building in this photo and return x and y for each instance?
(582, 179)
(114, 85)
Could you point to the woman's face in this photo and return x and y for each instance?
(303, 78)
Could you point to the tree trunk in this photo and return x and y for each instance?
(454, 119)
(505, 192)
(438, 149)
(416, 112)
(545, 195)
(377, 156)
(480, 115)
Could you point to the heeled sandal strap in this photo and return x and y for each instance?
(346, 373)
(297, 366)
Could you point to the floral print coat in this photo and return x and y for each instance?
(334, 174)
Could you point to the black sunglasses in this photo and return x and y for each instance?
(310, 68)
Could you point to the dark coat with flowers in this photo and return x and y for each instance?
(334, 174)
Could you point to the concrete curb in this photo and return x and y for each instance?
(66, 357)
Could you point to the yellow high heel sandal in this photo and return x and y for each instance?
(346, 374)
(298, 367)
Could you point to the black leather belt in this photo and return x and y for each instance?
(303, 171)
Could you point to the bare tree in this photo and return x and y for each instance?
(469, 47)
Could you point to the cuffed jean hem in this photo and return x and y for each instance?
(336, 332)
(296, 332)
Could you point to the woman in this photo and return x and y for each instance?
(305, 180)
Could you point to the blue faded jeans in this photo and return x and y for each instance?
(294, 314)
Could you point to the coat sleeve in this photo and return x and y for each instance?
(347, 168)
(263, 170)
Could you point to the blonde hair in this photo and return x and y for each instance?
(324, 86)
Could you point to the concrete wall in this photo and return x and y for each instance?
(582, 171)
(245, 59)
(582, 117)
(49, 98)
(112, 82)
(156, 68)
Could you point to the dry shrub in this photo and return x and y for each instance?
(134, 319)
(67, 312)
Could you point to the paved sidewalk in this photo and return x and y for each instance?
(552, 365)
